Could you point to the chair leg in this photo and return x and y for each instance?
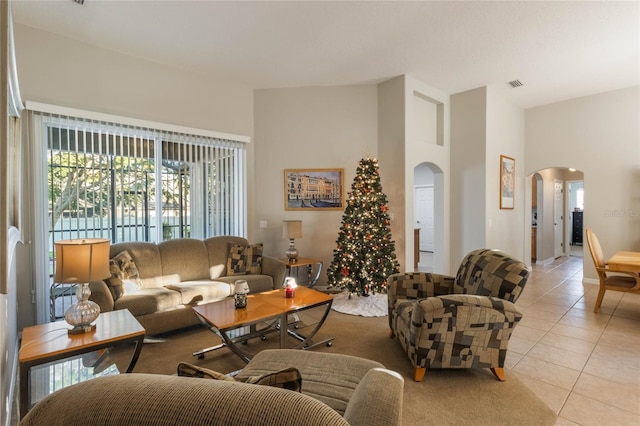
(499, 373)
(418, 374)
(392, 334)
(599, 299)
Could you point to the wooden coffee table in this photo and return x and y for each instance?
(49, 342)
(271, 308)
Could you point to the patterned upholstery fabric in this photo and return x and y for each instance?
(461, 322)
(244, 259)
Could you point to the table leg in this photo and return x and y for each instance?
(315, 279)
(25, 379)
(305, 341)
(284, 328)
(136, 354)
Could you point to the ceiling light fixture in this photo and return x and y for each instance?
(515, 83)
(80, 2)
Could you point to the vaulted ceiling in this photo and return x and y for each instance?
(558, 50)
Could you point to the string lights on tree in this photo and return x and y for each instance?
(365, 253)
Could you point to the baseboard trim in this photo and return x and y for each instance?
(545, 262)
(591, 281)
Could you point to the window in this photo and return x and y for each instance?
(127, 183)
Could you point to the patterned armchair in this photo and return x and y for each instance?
(461, 322)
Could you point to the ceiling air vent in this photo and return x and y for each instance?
(515, 83)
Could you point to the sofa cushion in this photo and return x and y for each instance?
(330, 378)
(244, 259)
(183, 259)
(257, 283)
(197, 291)
(147, 259)
(149, 300)
(218, 249)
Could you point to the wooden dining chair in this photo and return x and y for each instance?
(617, 281)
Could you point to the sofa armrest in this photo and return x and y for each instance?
(456, 301)
(416, 285)
(377, 400)
(158, 400)
(101, 294)
(275, 269)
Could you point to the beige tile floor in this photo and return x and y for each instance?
(585, 366)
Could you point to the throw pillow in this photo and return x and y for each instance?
(189, 370)
(124, 275)
(244, 259)
(216, 271)
(122, 266)
(289, 378)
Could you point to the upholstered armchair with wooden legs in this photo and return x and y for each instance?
(616, 281)
(464, 321)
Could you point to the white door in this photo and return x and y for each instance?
(558, 218)
(424, 216)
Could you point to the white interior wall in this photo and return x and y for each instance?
(313, 127)
(391, 158)
(600, 136)
(505, 136)
(469, 169)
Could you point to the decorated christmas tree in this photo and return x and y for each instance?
(365, 253)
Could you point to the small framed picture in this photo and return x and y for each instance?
(507, 181)
(314, 189)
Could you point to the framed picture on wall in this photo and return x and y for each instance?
(507, 181)
(314, 189)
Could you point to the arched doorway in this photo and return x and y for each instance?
(557, 195)
(428, 217)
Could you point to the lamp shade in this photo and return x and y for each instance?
(292, 229)
(82, 260)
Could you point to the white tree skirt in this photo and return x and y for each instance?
(374, 305)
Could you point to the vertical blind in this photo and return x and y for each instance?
(139, 184)
(130, 183)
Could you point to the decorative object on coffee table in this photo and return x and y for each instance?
(79, 262)
(290, 288)
(240, 294)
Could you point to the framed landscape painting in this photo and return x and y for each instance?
(314, 189)
(507, 181)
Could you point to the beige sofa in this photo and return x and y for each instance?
(160, 283)
(335, 390)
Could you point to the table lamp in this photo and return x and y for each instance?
(292, 230)
(79, 262)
